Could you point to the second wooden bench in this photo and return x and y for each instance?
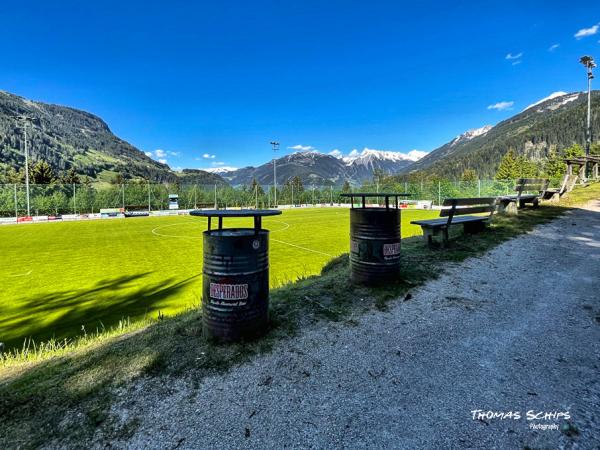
(458, 211)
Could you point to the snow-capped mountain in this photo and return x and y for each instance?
(316, 168)
(369, 155)
(559, 99)
(221, 170)
(470, 134)
(552, 123)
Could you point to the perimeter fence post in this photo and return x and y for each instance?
(16, 204)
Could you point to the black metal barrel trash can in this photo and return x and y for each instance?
(374, 239)
(235, 277)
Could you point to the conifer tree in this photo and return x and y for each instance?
(508, 167)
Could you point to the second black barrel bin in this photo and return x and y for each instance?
(374, 238)
(235, 276)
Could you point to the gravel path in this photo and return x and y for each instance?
(515, 330)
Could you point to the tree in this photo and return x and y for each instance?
(70, 177)
(468, 175)
(346, 187)
(508, 167)
(573, 151)
(117, 179)
(254, 186)
(41, 173)
(526, 168)
(13, 176)
(297, 184)
(554, 166)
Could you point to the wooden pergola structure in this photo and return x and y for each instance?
(576, 169)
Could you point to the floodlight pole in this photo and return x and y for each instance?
(588, 142)
(589, 64)
(26, 163)
(275, 145)
(16, 204)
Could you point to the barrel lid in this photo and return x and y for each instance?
(221, 213)
(235, 212)
(386, 195)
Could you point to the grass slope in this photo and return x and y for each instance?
(61, 279)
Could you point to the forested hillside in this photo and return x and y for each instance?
(75, 142)
(536, 133)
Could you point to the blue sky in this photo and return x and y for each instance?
(222, 79)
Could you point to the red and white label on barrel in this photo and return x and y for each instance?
(391, 249)
(228, 291)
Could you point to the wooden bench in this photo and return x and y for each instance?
(458, 211)
(529, 191)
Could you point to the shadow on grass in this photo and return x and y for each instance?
(69, 397)
(64, 314)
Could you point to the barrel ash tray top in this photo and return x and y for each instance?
(258, 214)
(364, 195)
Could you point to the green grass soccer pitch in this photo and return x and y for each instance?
(64, 279)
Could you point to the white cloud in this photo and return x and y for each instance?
(302, 148)
(501, 106)
(553, 47)
(336, 153)
(177, 169)
(514, 63)
(585, 32)
(208, 156)
(510, 56)
(160, 155)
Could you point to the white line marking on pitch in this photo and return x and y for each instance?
(21, 274)
(303, 248)
(287, 225)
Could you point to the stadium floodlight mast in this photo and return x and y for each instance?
(589, 64)
(26, 150)
(275, 145)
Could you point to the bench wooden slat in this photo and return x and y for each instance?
(468, 210)
(455, 220)
(530, 187)
(513, 198)
(469, 201)
(531, 180)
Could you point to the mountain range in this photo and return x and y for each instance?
(552, 123)
(68, 138)
(315, 168)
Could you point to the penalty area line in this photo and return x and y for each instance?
(303, 248)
